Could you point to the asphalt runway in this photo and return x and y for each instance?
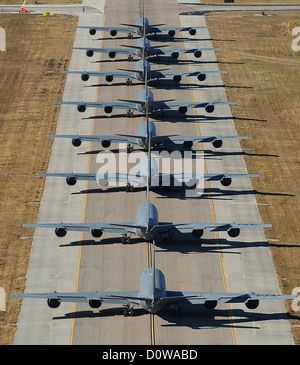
(216, 263)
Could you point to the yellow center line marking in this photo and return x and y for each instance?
(71, 331)
(212, 209)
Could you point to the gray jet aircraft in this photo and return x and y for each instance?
(142, 67)
(144, 49)
(141, 103)
(153, 296)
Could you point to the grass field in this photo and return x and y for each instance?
(264, 77)
(30, 82)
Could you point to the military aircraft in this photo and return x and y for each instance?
(144, 49)
(142, 67)
(167, 142)
(153, 296)
(140, 177)
(142, 27)
(141, 103)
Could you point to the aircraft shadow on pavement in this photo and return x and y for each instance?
(192, 316)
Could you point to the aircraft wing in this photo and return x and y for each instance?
(168, 74)
(82, 105)
(189, 178)
(90, 50)
(202, 297)
(63, 228)
(103, 179)
(155, 29)
(174, 105)
(108, 29)
(233, 229)
(198, 139)
(159, 51)
(86, 74)
(116, 138)
(118, 297)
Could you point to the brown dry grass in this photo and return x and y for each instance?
(30, 82)
(264, 77)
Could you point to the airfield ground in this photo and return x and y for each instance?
(30, 82)
(263, 75)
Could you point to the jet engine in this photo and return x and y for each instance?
(53, 302)
(182, 109)
(113, 32)
(197, 54)
(92, 31)
(60, 232)
(76, 142)
(105, 143)
(96, 233)
(109, 78)
(177, 78)
(171, 32)
(85, 77)
(175, 55)
(217, 143)
(102, 182)
(71, 180)
(192, 31)
(252, 303)
(197, 233)
(210, 304)
(209, 108)
(95, 303)
(233, 232)
(108, 109)
(90, 53)
(201, 77)
(111, 54)
(81, 108)
(188, 144)
(226, 181)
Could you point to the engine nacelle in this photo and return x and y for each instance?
(171, 33)
(105, 143)
(85, 77)
(234, 232)
(60, 232)
(197, 233)
(197, 54)
(210, 304)
(96, 233)
(182, 109)
(92, 31)
(95, 303)
(90, 53)
(103, 182)
(111, 54)
(209, 108)
(217, 143)
(76, 142)
(252, 303)
(53, 302)
(109, 78)
(192, 31)
(108, 109)
(81, 108)
(201, 77)
(113, 32)
(226, 181)
(177, 78)
(71, 180)
(175, 55)
(188, 144)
